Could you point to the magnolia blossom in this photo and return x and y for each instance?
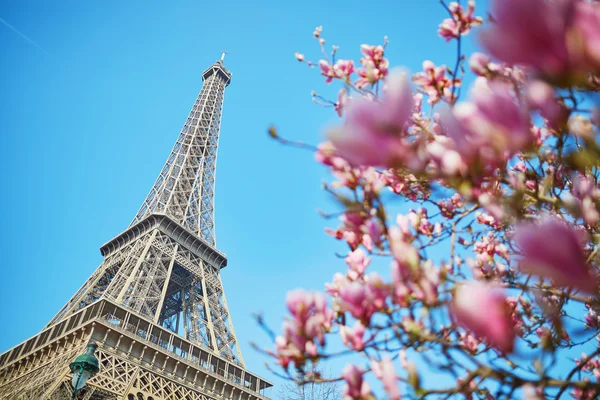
(480, 64)
(353, 337)
(384, 370)
(482, 309)
(341, 101)
(344, 68)
(469, 342)
(311, 317)
(461, 21)
(492, 126)
(358, 262)
(362, 299)
(374, 65)
(582, 127)
(356, 388)
(373, 131)
(553, 250)
(555, 38)
(327, 70)
(434, 82)
(541, 96)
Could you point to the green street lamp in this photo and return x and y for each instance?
(83, 368)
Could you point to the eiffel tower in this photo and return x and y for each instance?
(155, 306)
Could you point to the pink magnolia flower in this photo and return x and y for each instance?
(327, 70)
(541, 96)
(371, 52)
(479, 64)
(403, 251)
(384, 370)
(373, 228)
(585, 394)
(448, 29)
(341, 102)
(311, 318)
(353, 337)
(482, 309)
(492, 126)
(555, 38)
(582, 127)
(434, 82)
(374, 65)
(299, 56)
(358, 262)
(344, 68)
(356, 388)
(553, 250)
(445, 157)
(372, 133)
(469, 342)
(461, 21)
(363, 299)
(352, 229)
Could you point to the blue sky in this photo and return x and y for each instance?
(93, 95)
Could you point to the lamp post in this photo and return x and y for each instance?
(83, 368)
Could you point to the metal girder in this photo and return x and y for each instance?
(184, 188)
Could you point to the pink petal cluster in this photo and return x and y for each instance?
(344, 68)
(305, 330)
(400, 240)
(469, 342)
(358, 229)
(481, 65)
(592, 319)
(449, 207)
(364, 298)
(353, 338)
(490, 128)
(327, 70)
(516, 316)
(358, 262)
(373, 131)
(551, 249)
(341, 102)
(374, 65)
(583, 198)
(356, 388)
(483, 310)
(444, 157)
(585, 394)
(555, 38)
(415, 283)
(385, 372)
(461, 21)
(434, 82)
(592, 366)
(406, 185)
(487, 248)
(341, 70)
(541, 97)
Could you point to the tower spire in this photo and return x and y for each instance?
(223, 55)
(185, 188)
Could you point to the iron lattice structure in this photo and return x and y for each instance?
(156, 305)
